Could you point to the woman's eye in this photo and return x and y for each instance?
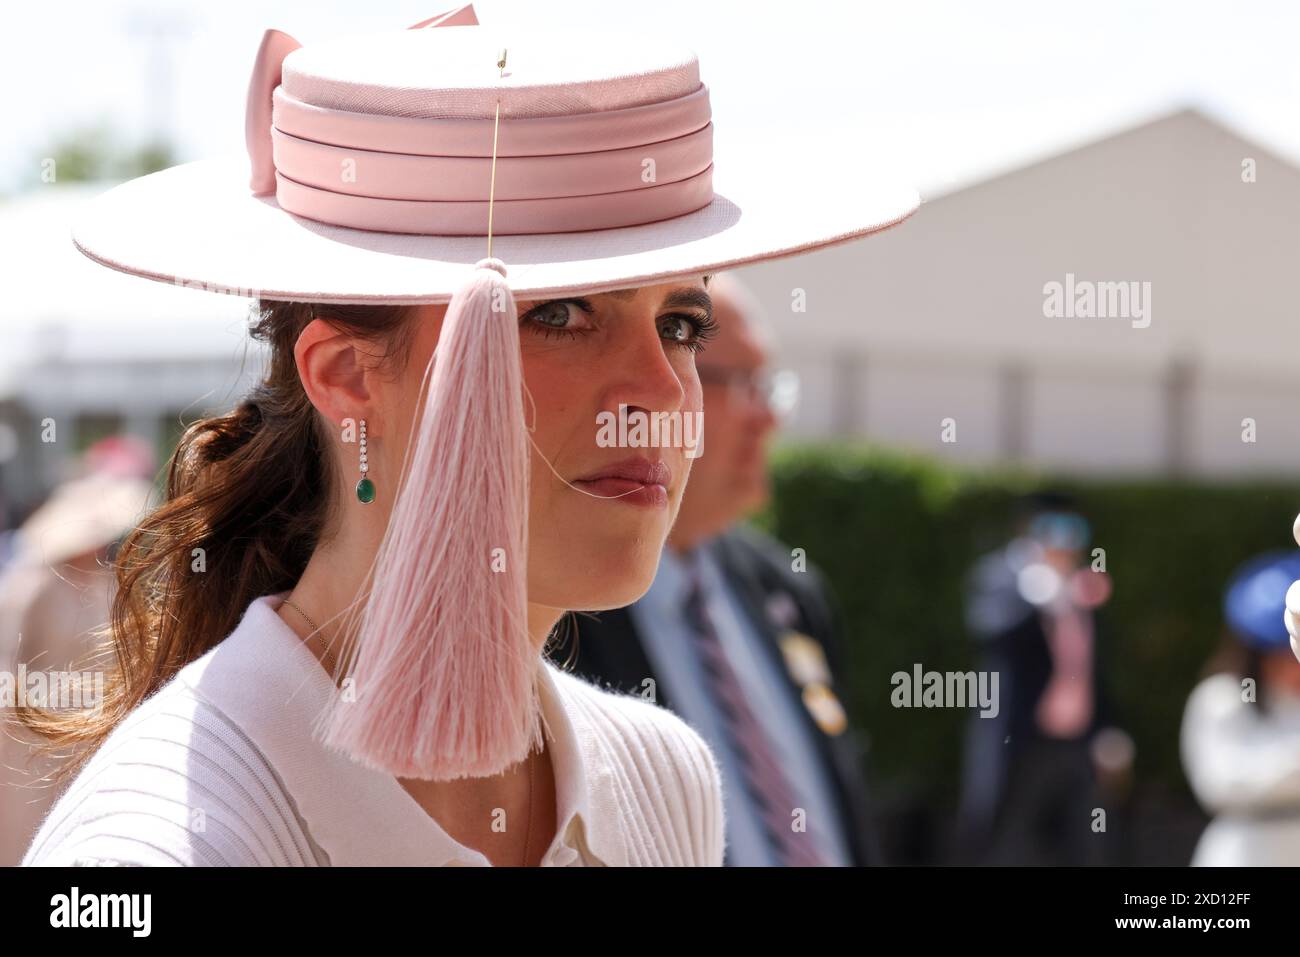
(690, 332)
(558, 317)
(554, 314)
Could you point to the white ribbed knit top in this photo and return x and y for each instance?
(219, 767)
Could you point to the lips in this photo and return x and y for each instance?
(634, 470)
(634, 481)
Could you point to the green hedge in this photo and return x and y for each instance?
(894, 535)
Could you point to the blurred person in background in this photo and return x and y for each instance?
(733, 640)
(1036, 774)
(1241, 728)
(54, 594)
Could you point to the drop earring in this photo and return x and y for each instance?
(365, 487)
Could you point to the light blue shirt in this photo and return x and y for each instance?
(670, 647)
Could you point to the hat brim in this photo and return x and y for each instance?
(198, 225)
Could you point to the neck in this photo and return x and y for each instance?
(329, 585)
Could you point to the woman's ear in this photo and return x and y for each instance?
(332, 370)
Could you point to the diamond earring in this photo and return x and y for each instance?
(365, 487)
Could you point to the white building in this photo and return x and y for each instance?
(944, 316)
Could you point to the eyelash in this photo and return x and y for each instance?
(706, 327)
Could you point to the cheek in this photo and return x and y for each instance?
(555, 405)
(397, 400)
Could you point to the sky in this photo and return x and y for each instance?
(952, 92)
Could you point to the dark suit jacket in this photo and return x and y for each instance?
(609, 652)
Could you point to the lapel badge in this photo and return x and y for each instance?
(804, 659)
(825, 708)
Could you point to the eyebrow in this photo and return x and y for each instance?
(681, 297)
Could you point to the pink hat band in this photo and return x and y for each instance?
(431, 176)
(553, 173)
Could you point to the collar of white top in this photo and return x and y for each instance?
(267, 681)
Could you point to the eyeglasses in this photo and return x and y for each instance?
(778, 389)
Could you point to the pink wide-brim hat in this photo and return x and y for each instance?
(369, 162)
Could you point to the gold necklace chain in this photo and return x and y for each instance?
(330, 662)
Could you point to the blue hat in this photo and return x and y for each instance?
(1256, 599)
(1058, 528)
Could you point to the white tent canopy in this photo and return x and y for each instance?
(61, 307)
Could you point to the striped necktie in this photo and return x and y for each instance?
(764, 780)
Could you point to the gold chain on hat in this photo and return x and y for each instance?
(492, 185)
(496, 125)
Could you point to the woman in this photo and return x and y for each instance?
(485, 503)
(1241, 726)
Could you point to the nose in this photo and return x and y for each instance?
(638, 372)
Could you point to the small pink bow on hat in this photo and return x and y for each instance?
(276, 45)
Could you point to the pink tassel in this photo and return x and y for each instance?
(444, 669)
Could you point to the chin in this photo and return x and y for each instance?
(603, 579)
(605, 596)
(625, 578)
(596, 556)
(614, 598)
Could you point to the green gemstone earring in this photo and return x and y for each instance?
(365, 487)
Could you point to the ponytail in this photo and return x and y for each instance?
(246, 502)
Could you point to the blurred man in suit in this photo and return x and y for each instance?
(737, 638)
(1036, 775)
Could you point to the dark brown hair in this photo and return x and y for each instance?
(246, 501)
